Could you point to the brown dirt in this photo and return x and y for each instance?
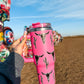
(69, 65)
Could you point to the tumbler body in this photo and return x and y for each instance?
(43, 52)
(30, 53)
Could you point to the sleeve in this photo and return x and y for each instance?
(12, 67)
(3, 80)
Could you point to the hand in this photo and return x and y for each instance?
(20, 47)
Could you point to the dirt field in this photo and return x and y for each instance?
(69, 65)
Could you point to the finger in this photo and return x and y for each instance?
(23, 43)
(15, 43)
(25, 52)
(25, 47)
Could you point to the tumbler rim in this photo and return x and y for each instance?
(40, 29)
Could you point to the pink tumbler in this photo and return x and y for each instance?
(43, 52)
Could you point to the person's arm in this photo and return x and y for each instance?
(3, 80)
(11, 68)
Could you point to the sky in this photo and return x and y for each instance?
(65, 16)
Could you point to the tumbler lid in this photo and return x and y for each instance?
(33, 24)
(40, 26)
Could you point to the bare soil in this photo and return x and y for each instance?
(69, 65)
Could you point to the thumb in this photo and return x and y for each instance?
(22, 43)
(15, 43)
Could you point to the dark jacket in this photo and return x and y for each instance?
(10, 70)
